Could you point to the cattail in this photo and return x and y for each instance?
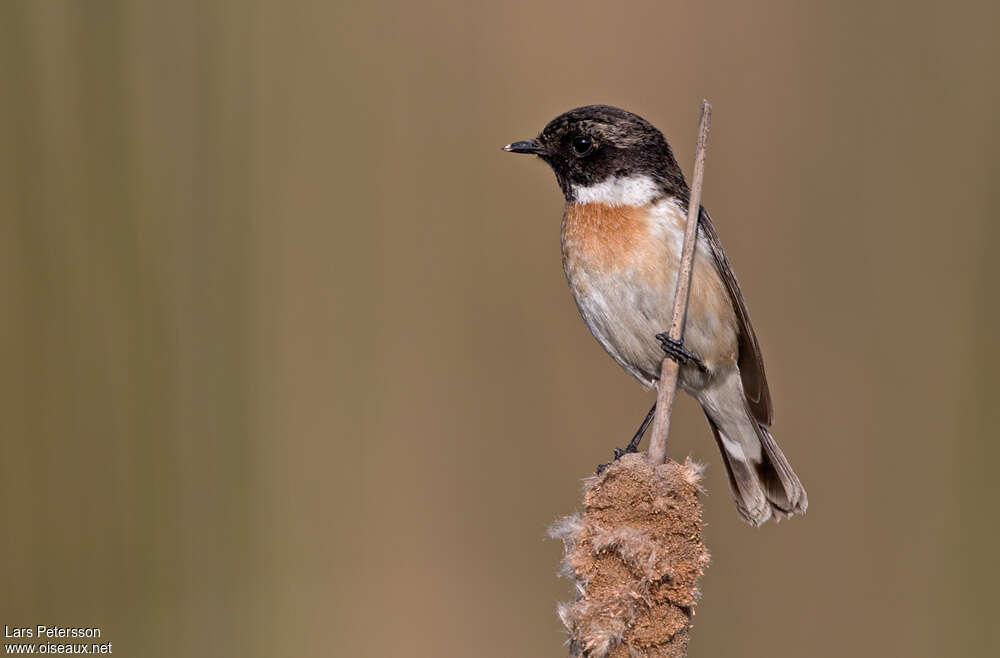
(635, 555)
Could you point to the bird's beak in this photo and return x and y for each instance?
(527, 146)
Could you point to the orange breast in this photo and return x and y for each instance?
(604, 236)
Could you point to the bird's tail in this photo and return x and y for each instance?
(763, 482)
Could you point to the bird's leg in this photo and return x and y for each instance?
(633, 445)
(676, 351)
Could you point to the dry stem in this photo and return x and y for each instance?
(669, 369)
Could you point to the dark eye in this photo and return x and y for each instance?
(582, 146)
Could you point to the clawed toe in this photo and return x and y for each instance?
(676, 351)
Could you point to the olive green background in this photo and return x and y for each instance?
(288, 365)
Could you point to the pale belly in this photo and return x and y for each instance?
(624, 289)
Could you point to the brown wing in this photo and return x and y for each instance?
(750, 362)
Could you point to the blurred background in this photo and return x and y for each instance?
(288, 365)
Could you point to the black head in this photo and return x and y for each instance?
(594, 143)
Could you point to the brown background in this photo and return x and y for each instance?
(288, 365)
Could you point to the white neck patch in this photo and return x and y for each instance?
(617, 191)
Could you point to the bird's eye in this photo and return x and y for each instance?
(582, 146)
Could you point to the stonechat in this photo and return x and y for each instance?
(622, 234)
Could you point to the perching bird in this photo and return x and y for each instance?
(622, 234)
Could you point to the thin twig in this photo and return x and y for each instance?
(669, 369)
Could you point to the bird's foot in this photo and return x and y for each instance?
(676, 351)
(618, 452)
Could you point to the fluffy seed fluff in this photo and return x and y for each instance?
(634, 555)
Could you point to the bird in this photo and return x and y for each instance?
(621, 238)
